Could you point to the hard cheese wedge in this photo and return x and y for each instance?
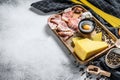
(86, 48)
(76, 39)
(97, 37)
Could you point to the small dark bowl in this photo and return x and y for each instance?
(86, 22)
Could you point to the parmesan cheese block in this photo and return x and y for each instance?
(97, 37)
(86, 48)
(76, 39)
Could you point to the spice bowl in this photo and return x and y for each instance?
(112, 59)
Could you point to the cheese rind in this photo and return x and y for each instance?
(86, 48)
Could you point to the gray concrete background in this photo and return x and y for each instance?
(28, 48)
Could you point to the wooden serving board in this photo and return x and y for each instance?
(107, 37)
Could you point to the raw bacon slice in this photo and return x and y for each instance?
(64, 34)
(52, 25)
(54, 20)
(56, 16)
(73, 23)
(78, 10)
(67, 15)
(62, 26)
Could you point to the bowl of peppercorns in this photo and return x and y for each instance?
(112, 58)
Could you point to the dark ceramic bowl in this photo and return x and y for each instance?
(84, 22)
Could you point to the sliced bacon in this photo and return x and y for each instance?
(52, 25)
(78, 10)
(73, 23)
(62, 26)
(66, 24)
(64, 34)
(67, 15)
(54, 20)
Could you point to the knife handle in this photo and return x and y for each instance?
(105, 73)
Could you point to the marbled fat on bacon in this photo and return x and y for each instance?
(67, 15)
(54, 20)
(73, 23)
(62, 26)
(64, 34)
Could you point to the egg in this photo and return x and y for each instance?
(86, 27)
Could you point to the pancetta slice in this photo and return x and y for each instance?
(67, 15)
(54, 20)
(73, 23)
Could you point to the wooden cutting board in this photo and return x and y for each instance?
(107, 37)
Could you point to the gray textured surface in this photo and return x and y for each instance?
(28, 48)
